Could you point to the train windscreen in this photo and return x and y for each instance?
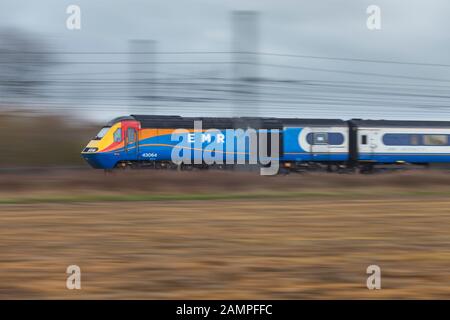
(102, 133)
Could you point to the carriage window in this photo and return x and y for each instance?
(414, 139)
(330, 138)
(364, 139)
(118, 135)
(397, 139)
(335, 138)
(406, 139)
(435, 139)
(320, 138)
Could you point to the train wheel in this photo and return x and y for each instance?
(366, 169)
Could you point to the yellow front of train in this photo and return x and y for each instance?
(103, 151)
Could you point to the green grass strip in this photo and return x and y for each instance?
(344, 194)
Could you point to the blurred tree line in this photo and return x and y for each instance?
(29, 139)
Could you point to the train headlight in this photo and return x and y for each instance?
(90, 150)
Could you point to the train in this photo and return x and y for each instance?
(147, 141)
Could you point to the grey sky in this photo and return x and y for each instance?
(414, 31)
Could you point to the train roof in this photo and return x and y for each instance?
(174, 121)
(115, 120)
(312, 122)
(157, 121)
(400, 123)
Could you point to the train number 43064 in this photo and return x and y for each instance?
(150, 155)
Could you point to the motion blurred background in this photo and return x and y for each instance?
(216, 235)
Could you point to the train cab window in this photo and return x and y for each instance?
(131, 135)
(364, 139)
(435, 140)
(118, 135)
(320, 138)
(102, 133)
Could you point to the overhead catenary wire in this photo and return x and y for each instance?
(275, 54)
(342, 91)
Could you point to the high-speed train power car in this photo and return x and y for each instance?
(332, 144)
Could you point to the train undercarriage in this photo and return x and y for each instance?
(284, 167)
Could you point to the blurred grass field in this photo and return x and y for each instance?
(224, 235)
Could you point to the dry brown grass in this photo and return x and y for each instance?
(227, 249)
(306, 245)
(149, 181)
